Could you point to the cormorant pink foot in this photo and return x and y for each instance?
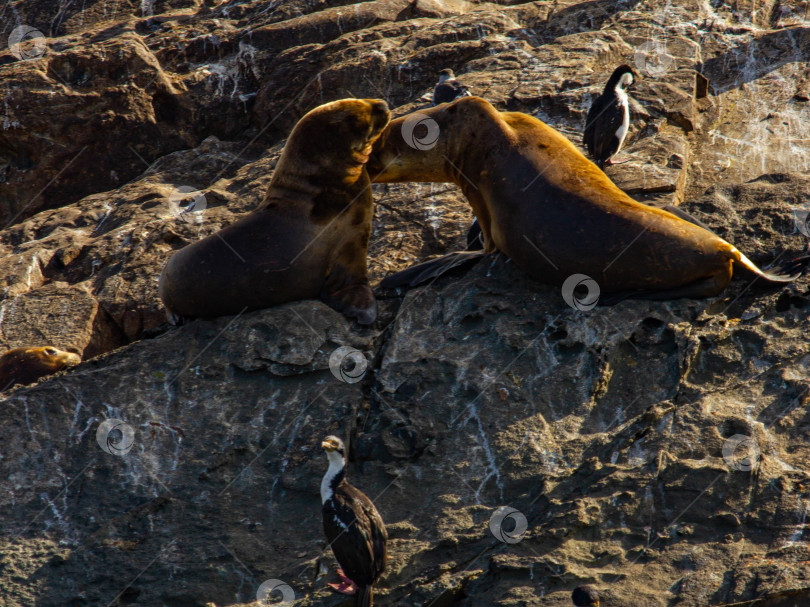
(617, 160)
(346, 586)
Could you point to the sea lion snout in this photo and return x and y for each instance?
(68, 359)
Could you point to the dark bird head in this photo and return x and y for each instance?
(332, 444)
(585, 596)
(446, 74)
(622, 77)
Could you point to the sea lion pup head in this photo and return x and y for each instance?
(26, 365)
(333, 141)
(419, 146)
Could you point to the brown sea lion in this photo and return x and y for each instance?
(307, 239)
(551, 210)
(26, 365)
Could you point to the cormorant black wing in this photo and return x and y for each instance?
(590, 126)
(379, 536)
(356, 534)
(606, 143)
(604, 119)
(447, 91)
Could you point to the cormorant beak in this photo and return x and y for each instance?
(328, 445)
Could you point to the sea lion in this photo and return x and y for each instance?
(26, 365)
(307, 239)
(551, 210)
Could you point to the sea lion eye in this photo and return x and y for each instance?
(50, 351)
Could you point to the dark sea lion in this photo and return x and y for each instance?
(26, 365)
(551, 210)
(309, 237)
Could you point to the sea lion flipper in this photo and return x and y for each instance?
(785, 272)
(703, 287)
(618, 297)
(780, 273)
(475, 237)
(428, 270)
(349, 292)
(356, 301)
(775, 274)
(681, 214)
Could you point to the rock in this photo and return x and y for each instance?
(116, 88)
(655, 449)
(61, 315)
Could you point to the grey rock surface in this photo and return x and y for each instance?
(658, 450)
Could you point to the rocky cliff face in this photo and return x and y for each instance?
(656, 449)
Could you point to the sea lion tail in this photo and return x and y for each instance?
(782, 273)
(428, 270)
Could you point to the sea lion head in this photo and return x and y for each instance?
(336, 137)
(417, 147)
(26, 365)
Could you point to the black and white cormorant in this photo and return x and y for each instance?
(585, 596)
(448, 88)
(609, 117)
(353, 526)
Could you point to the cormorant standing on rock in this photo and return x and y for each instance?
(353, 526)
(448, 88)
(609, 118)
